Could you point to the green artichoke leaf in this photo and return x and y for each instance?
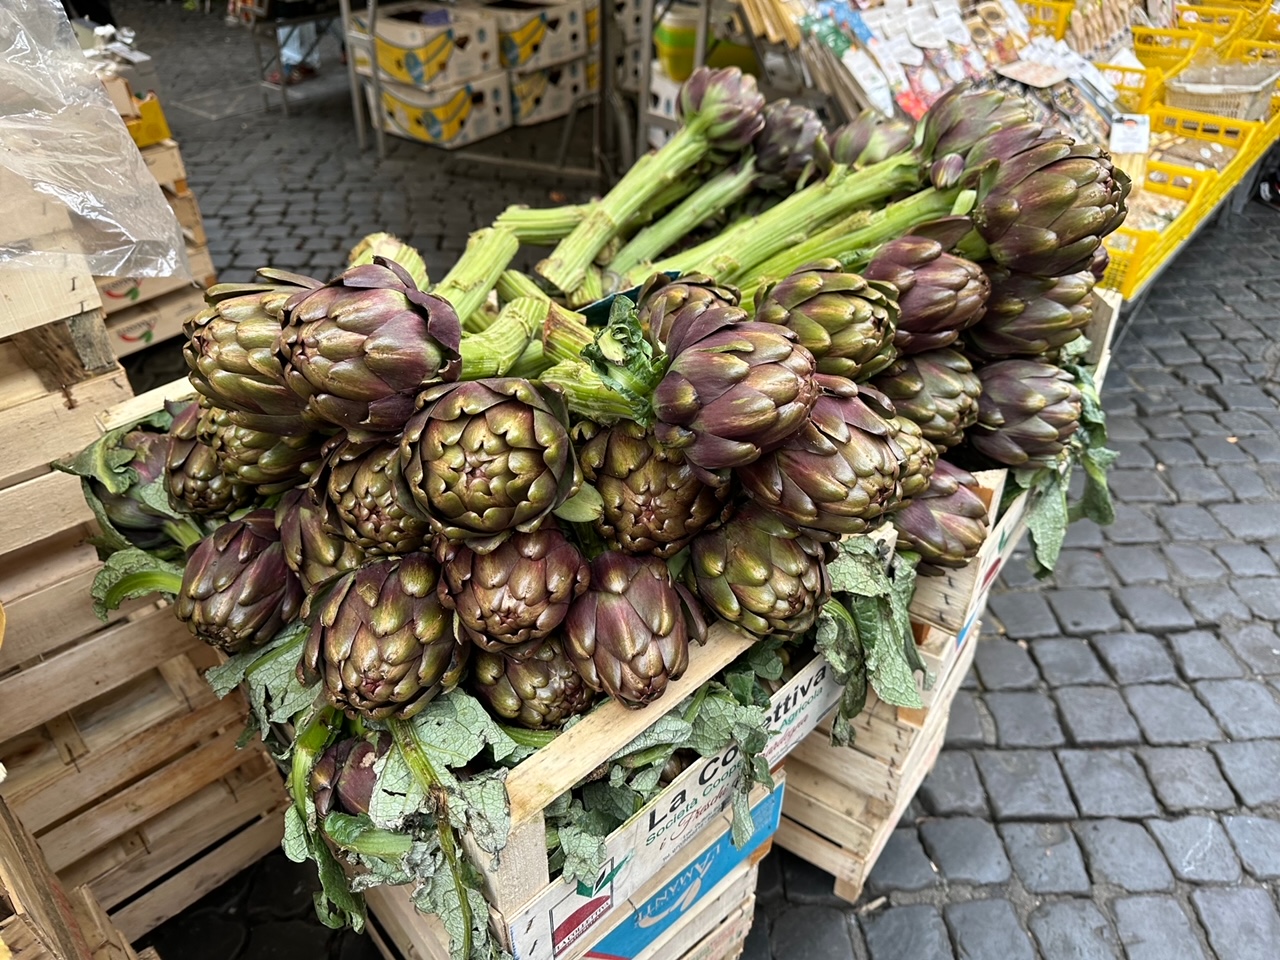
(839, 642)
(1096, 503)
(743, 825)
(584, 850)
(131, 573)
(765, 660)
(903, 588)
(888, 670)
(723, 720)
(269, 673)
(106, 461)
(858, 568)
(156, 496)
(741, 682)
(108, 540)
(467, 926)
(624, 359)
(583, 507)
(1047, 520)
(359, 836)
(484, 805)
(673, 731)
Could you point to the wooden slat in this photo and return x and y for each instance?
(208, 873)
(172, 838)
(134, 409)
(105, 771)
(607, 729)
(54, 425)
(39, 508)
(33, 294)
(104, 662)
(414, 936)
(138, 803)
(68, 351)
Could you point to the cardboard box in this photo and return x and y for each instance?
(628, 14)
(187, 210)
(121, 293)
(532, 34)
(538, 95)
(451, 117)
(429, 46)
(139, 327)
(664, 100)
(149, 127)
(164, 160)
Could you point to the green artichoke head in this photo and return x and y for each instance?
(760, 573)
(791, 147)
(661, 300)
(919, 457)
(733, 391)
(722, 105)
(1027, 412)
(381, 641)
(628, 634)
(962, 118)
(233, 352)
(365, 500)
(359, 349)
(938, 390)
(846, 321)
(869, 138)
(939, 293)
(518, 592)
(840, 473)
(540, 692)
(193, 470)
(484, 459)
(266, 461)
(311, 549)
(237, 591)
(1030, 316)
(947, 524)
(654, 501)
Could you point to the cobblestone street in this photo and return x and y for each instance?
(1111, 782)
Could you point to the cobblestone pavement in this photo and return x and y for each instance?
(1111, 782)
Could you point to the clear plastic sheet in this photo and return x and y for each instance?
(71, 180)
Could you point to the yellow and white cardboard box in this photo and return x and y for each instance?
(532, 34)
(628, 14)
(538, 95)
(664, 100)
(448, 117)
(159, 319)
(429, 45)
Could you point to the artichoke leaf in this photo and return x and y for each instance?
(131, 573)
(858, 569)
(583, 507)
(1047, 520)
(274, 692)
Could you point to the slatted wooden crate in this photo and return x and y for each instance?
(698, 907)
(119, 759)
(843, 802)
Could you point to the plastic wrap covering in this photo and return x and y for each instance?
(72, 183)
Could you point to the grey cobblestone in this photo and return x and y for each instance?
(1211, 604)
(953, 787)
(1153, 608)
(1133, 565)
(1257, 644)
(1189, 521)
(1257, 841)
(1242, 924)
(1136, 658)
(1045, 857)
(1250, 768)
(1075, 929)
(903, 865)
(1084, 612)
(1004, 665)
(1186, 779)
(1198, 849)
(1202, 656)
(1123, 855)
(1024, 615)
(1025, 719)
(1108, 783)
(1155, 928)
(1246, 709)
(1025, 785)
(1194, 563)
(988, 928)
(1245, 560)
(1067, 662)
(966, 850)
(1096, 715)
(907, 933)
(1169, 714)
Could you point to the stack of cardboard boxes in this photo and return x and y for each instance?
(452, 75)
(141, 312)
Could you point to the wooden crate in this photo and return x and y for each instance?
(124, 293)
(675, 913)
(843, 802)
(149, 323)
(954, 601)
(1101, 330)
(187, 210)
(164, 160)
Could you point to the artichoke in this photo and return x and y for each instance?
(761, 573)
(1049, 203)
(1099, 264)
(381, 641)
(846, 321)
(193, 471)
(360, 348)
(1029, 316)
(963, 118)
(518, 592)
(938, 390)
(237, 591)
(1026, 413)
(540, 692)
(311, 550)
(233, 352)
(869, 138)
(733, 390)
(142, 525)
(947, 524)
(918, 458)
(365, 500)
(628, 634)
(840, 472)
(343, 778)
(939, 294)
(654, 502)
(724, 106)
(661, 300)
(790, 148)
(486, 458)
(269, 462)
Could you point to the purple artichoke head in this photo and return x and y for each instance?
(869, 138)
(724, 106)
(1029, 316)
(1027, 412)
(343, 778)
(947, 524)
(939, 293)
(791, 147)
(540, 691)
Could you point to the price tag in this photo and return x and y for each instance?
(1131, 133)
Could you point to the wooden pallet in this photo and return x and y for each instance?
(843, 802)
(698, 907)
(120, 295)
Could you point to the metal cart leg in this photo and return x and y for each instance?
(357, 94)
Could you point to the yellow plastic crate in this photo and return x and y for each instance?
(1220, 24)
(1136, 254)
(1254, 12)
(1140, 88)
(1049, 17)
(1252, 51)
(1167, 50)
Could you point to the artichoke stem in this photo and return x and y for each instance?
(309, 741)
(651, 175)
(351, 834)
(419, 764)
(489, 252)
(513, 284)
(136, 584)
(564, 334)
(587, 395)
(855, 237)
(535, 739)
(531, 363)
(722, 190)
(591, 290)
(184, 532)
(493, 352)
(545, 227)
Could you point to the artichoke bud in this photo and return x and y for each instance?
(870, 138)
(237, 591)
(791, 147)
(724, 105)
(193, 471)
(267, 461)
(540, 692)
(938, 390)
(343, 778)
(1030, 316)
(947, 171)
(142, 525)
(360, 348)
(662, 299)
(919, 457)
(947, 524)
(1027, 412)
(311, 550)
(939, 293)
(365, 499)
